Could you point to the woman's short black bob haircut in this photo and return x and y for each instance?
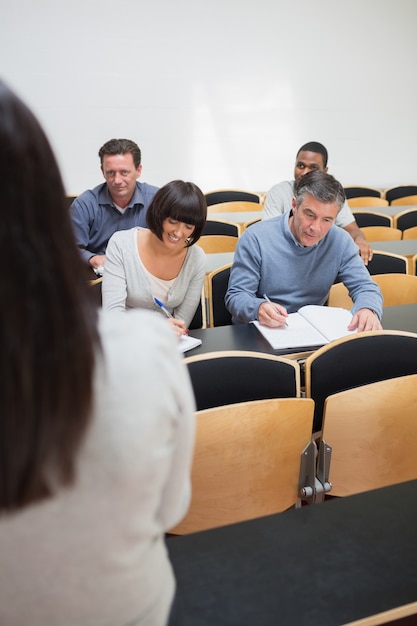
(180, 201)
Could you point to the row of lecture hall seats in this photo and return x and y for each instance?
(404, 219)
(222, 235)
(393, 195)
(352, 431)
(400, 194)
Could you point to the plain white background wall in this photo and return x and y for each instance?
(222, 92)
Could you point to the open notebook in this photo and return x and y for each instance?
(313, 325)
(187, 343)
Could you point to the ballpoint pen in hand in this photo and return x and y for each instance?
(270, 302)
(167, 313)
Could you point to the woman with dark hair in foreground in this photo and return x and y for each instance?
(96, 418)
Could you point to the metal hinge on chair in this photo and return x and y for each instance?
(314, 473)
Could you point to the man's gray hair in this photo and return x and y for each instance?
(322, 186)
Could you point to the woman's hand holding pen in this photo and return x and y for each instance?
(272, 314)
(178, 326)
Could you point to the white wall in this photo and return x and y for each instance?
(221, 92)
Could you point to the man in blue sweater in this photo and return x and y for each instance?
(296, 257)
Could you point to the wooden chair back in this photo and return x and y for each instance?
(381, 233)
(399, 192)
(396, 289)
(212, 244)
(404, 200)
(413, 262)
(231, 207)
(231, 195)
(199, 319)
(371, 218)
(339, 297)
(246, 225)
(232, 376)
(387, 263)
(357, 360)
(246, 461)
(360, 201)
(216, 284)
(360, 191)
(406, 219)
(372, 431)
(410, 233)
(220, 227)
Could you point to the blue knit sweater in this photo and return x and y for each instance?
(269, 260)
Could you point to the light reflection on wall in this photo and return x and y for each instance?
(235, 127)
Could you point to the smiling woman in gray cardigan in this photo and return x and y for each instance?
(160, 261)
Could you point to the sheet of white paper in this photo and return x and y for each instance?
(187, 343)
(332, 322)
(311, 326)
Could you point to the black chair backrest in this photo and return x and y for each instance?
(387, 264)
(217, 227)
(358, 360)
(219, 284)
(369, 218)
(358, 192)
(406, 219)
(197, 321)
(400, 192)
(230, 195)
(230, 379)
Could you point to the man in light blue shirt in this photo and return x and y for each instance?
(296, 257)
(118, 204)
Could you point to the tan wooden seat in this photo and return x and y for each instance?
(372, 431)
(396, 289)
(232, 207)
(404, 200)
(356, 360)
(212, 244)
(410, 233)
(381, 233)
(360, 201)
(247, 461)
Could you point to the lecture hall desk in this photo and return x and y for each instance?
(321, 565)
(247, 337)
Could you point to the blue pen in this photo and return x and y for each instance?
(270, 302)
(165, 310)
(163, 307)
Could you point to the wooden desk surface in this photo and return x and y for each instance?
(326, 564)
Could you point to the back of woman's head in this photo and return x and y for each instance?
(47, 320)
(179, 200)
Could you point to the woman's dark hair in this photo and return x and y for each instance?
(181, 201)
(48, 321)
